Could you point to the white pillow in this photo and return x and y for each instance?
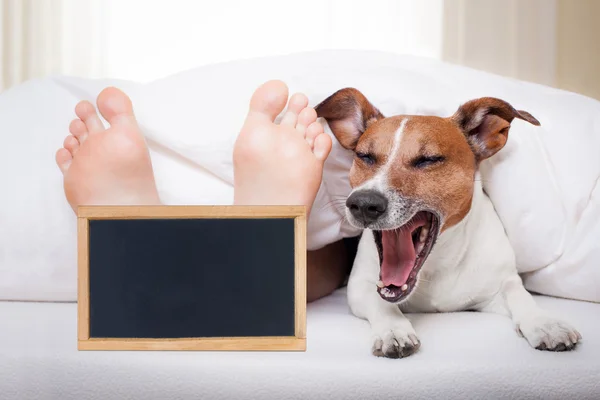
(191, 120)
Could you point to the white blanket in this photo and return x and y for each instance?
(543, 183)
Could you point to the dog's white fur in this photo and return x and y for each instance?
(471, 267)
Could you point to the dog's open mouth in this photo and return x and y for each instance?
(403, 251)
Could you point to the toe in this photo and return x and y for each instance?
(63, 159)
(574, 337)
(87, 113)
(268, 100)
(115, 106)
(377, 348)
(313, 130)
(71, 144)
(415, 340)
(322, 147)
(306, 117)
(297, 103)
(289, 119)
(78, 129)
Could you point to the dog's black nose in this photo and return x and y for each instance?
(366, 205)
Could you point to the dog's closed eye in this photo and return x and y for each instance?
(367, 158)
(426, 161)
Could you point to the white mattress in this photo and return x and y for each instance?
(464, 355)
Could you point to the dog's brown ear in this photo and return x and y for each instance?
(486, 122)
(349, 114)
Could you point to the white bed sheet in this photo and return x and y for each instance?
(464, 355)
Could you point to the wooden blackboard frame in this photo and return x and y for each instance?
(279, 343)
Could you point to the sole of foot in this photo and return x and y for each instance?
(279, 164)
(106, 166)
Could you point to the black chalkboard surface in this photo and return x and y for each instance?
(192, 278)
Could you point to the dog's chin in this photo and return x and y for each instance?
(400, 263)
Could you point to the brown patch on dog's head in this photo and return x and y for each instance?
(436, 166)
(419, 162)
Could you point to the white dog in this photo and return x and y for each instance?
(432, 241)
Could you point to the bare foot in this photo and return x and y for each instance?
(279, 164)
(106, 166)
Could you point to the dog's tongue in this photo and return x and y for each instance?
(398, 256)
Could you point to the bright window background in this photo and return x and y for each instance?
(552, 42)
(149, 39)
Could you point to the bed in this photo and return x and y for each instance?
(544, 186)
(463, 356)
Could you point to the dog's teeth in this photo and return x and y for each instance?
(404, 287)
(380, 284)
(424, 232)
(420, 247)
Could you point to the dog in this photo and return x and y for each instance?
(431, 238)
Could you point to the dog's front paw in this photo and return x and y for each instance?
(548, 333)
(396, 343)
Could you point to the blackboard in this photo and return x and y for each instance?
(192, 278)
